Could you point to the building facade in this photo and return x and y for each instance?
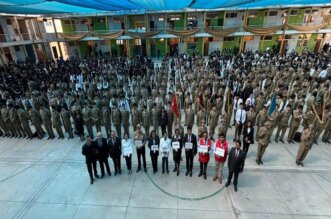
(42, 37)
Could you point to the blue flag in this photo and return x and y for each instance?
(273, 104)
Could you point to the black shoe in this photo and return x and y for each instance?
(186, 173)
(120, 172)
(190, 174)
(200, 174)
(97, 176)
(205, 176)
(178, 173)
(138, 170)
(315, 142)
(145, 169)
(154, 171)
(300, 163)
(288, 141)
(258, 162)
(48, 138)
(227, 184)
(162, 171)
(235, 189)
(297, 163)
(276, 140)
(167, 171)
(281, 140)
(293, 142)
(115, 173)
(102, 175)
(109, 173)
(261, 162)
(174, 170)
(91, 181)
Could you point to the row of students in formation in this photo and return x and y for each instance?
(115, 147)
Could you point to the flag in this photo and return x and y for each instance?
(273, 104)
(174, 106)
(201, 99)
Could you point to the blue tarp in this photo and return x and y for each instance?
(132, 6)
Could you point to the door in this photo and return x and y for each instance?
(55, 52)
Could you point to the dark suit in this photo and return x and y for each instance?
(115, 150)
(190, 153)
(154, 155)
(235, 164)
(250, 137)
(90, 153)
(103, 153)
(177, 153)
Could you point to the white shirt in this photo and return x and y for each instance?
(322, 74)
(126, 145)
(240, 116)
(165, 143)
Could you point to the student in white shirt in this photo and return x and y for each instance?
(165, 147)
(240, 118)
(127, 151)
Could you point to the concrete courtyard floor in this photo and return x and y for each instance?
(48, 179)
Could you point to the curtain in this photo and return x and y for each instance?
(263, 30)
(183, 33)
(143, 34)
(73, 37)
(221, 32)
(306, 28)
(108, 35)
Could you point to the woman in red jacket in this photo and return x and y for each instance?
(221, 153)
(204, 150)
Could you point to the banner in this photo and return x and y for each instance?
(108, 35)
(143, 34)
(273, 104)
(263, 30)
(73, 37)
(306, 28)
(221, 32)
(183, 33)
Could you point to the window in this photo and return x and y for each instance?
(137, 41)
(161, 18)
(228, 38)
(119, 42)
(273, 13)
(268, 37)
(17, 48)
(8, 21)
(66, 22)
(231, 15)
(252, 14)
(293, 12)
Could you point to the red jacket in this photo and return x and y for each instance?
(225, 147)
(204, 158)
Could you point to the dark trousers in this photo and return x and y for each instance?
(189, 160)
(117, 162)
(163, 129)
(90, 166)
(235, 180)
(203, 168)
(141, 153)
(104, 161)
(154, 161)
(128, 161)
(246, 147)
(165, 163)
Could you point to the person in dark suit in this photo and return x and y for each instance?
(153, 145)
(103, 153)
(236, 164)
(114, 144)
(89, 150)
(177, 151)
(248, 136)
(190, 144)
(163, 120)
